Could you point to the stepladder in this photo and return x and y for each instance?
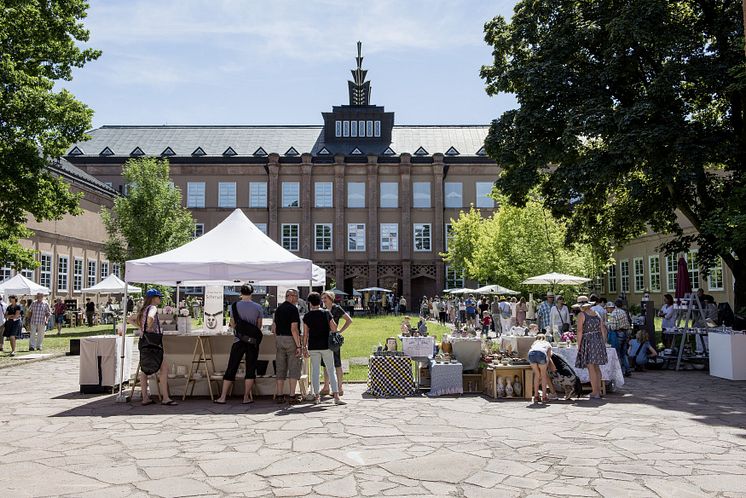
(201, 368)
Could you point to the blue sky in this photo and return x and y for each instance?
(284, 62)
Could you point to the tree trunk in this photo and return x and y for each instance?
(739, 288)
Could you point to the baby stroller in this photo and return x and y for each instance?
(564, 378)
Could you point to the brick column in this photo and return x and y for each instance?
(372, 228)
(306, 228)
(273, 195)
(339, 229)
(405, 227)
(438, 230)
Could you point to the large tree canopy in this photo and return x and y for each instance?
(37, 124)
(630, 112)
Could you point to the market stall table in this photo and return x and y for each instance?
(446, 378)
(99, 362)
(611, 371)
(390, 376)
(492, 373)
(728, 354)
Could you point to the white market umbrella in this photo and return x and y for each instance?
(462, 291)
(556, 279)
(22, 286)
(496, 289)
(338, 292)
(374, 289)
(112, 285)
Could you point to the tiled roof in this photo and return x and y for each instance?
(245, 140)
(65, 168)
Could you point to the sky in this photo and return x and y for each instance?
(285, 62)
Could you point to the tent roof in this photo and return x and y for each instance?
(319, 280)
(235, 250)
(112, 285)
(21, 285)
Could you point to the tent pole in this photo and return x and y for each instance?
(122, 397)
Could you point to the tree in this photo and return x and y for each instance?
(631, 112)
(150, 219)
(516, 243)
(37, 123)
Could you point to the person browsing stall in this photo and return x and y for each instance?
(540, 358)
(317, 325)
(591, 346)
(338, 314)
(289, 359)
(244, 345)
(559, 319)
(544, 313)
(13, 324)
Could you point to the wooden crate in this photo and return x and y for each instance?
(491, 373)
(472, 383)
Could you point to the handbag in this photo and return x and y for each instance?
(335, 341)
(247, 332)
(151, 348)
(565, 326)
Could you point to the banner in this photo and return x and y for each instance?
(213, 308)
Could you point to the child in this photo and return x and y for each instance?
(540, 357)
(639, 351)
(486, 322)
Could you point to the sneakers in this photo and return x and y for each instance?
(316, 400)
(338, 401)
(31, 349)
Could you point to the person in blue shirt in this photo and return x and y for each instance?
(640, 350)
(471, 310)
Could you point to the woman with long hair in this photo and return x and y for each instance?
(327, 298)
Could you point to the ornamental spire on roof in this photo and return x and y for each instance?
(359, 88)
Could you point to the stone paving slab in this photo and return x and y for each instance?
(679, 434)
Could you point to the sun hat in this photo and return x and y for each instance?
(583, 299)
(585, 304)
(610, 305)
(550, 294)
(153, 293)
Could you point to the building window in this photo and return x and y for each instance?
(454, 278)
(693, 266)
(454, 195)
(92, 274)
(671, 269)
(290, 236)
(639, 269)
(422, 237)
(195, 194)
(353, 129)
(484, 189)
(257, 194)
(421, 194)
(715, 278)
(323, 236)
(369, 128)
(356, 237)
(62, 269)
(625, 276)
(104, 269)
(389, 237)
(654, 273)
(29, 274)
(227, 194)
(262, 227)
(612, 278)
(323, 194)
(45, 270)
(338, 128)
(355, 194)
(115, 270)
(199, 230)
(290, 194)
(5, 273)
(78, 274)
(389, 195)
(345, 128)
(377, 129)
(361, 127)
(448, 234)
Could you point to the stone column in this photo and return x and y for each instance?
(340, 229)
(372, 228)
(273, 196)
(306, 228)
(438, 229)
(405, 227)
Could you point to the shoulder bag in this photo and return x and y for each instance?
(246, 332)
(335, 338)
(151, 347)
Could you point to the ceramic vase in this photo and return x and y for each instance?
(501, 387)
(508, 389)
(517, 388)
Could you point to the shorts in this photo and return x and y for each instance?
(59, 318)
(12, 328)
(471, 316)
(287, 364)
(537, 357)
(337, 359)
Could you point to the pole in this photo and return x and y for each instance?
(121, 397)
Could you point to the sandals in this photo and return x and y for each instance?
(170, 402)
(247, 401)
(149, 402)
(218, 402)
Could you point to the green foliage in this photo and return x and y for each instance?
(150, 219)
(631, 112)
(516, 243)
(37, 124)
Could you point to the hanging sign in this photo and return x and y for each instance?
(213, 308)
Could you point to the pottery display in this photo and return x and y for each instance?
(508, 389)
(501, 387)
(517, 388)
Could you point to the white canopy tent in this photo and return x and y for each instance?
(112, 285)
(496, 289)
(556, 279)
(318, 280)
(234, 251)
(22, 286)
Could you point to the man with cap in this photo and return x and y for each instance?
(618, 326)
(545, 311)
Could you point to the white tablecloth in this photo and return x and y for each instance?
(109, 349)
(611, 371)
(467, 351)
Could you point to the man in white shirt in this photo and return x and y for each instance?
(505, 316)
(599, 307)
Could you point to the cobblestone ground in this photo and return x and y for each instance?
(666, 434)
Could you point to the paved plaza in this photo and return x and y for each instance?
(665, 434)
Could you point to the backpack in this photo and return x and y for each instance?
(246, 332)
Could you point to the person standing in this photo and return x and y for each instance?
(251, 312)
(600, 306)
(337, 314)
(619, 322)
(559, 321)
(13, 323)
(471, 310)
(461, 311)
(317, 325)
(59, 314)
(495, 312)
(483, 306)
(591, 346)
(544, 313)
(40, 314)
(90, 311)
(402, 305)
(289, 359)
(520, 312)
(540, 358)
(3, 306)
(505, 316)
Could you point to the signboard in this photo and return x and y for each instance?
(213, 308)
(418, 347)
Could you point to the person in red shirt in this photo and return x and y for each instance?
(59, 314)
(486, 322)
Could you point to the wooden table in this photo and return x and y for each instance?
(491, 373)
